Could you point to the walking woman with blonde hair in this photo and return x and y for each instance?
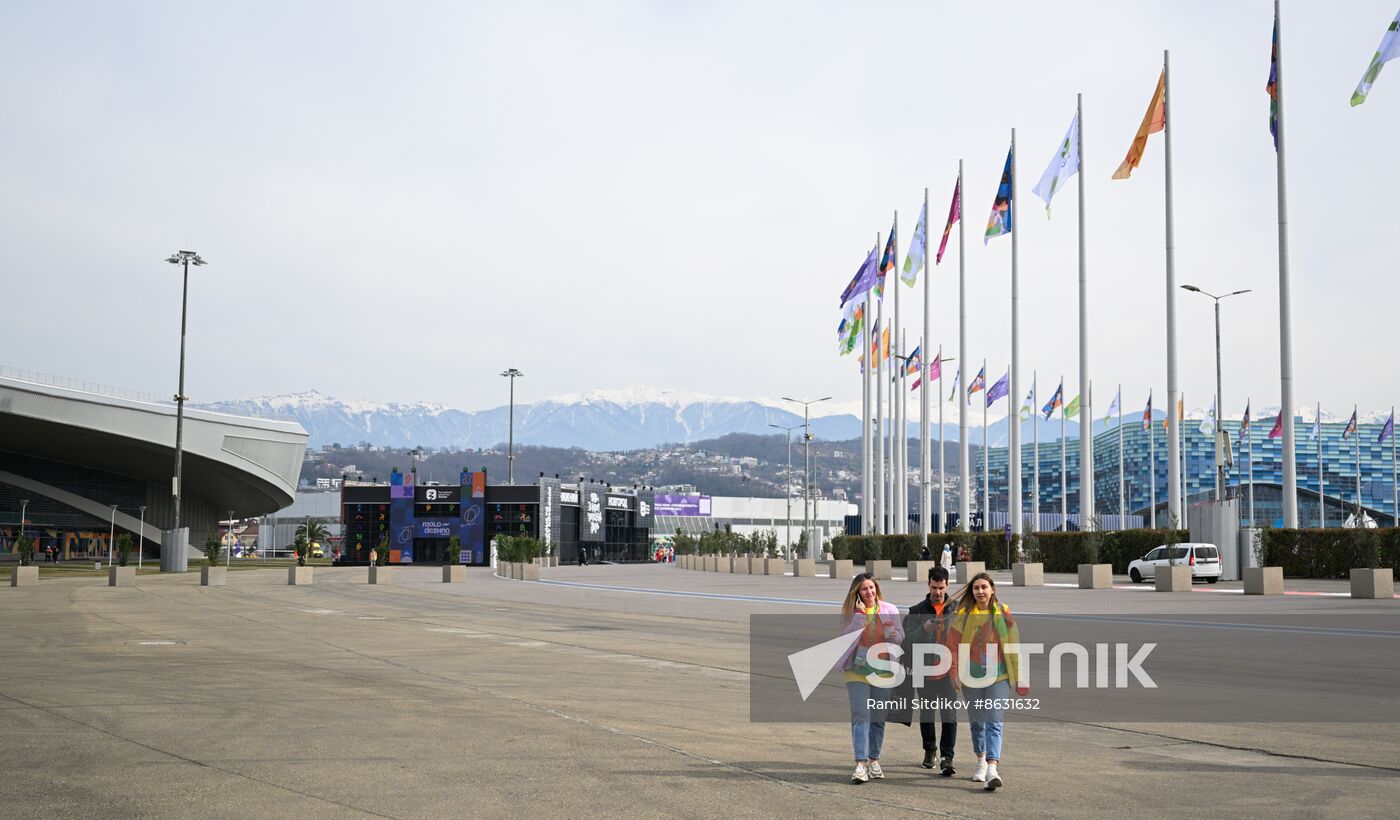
(981, 622)
(866, 611)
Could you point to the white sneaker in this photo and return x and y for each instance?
(980, 774)
(993, 778)
(876, 773)
(861, 774)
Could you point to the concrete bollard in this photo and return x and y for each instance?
(213, 576)
(121, 577)
(1263, 580)
(967, 569)
(300, 576)
(1172, 578)
(1095, 576)
(24, 576)
(1373, 583)
(380, 575)
(454, 574)
(1028, 575)
(880, 570)
(774, 566)
(804, 568)
(842, 568)
(918, 571)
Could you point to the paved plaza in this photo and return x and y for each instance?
(619, 690)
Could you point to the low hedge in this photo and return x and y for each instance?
(1065, 551)
(1330, 553)
(899, 550)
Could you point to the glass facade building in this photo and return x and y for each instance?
(1338, 479)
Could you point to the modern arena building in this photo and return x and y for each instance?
(1337, 478)
(80, 461)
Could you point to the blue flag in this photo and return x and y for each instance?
(1389, 429)
(864, 279)
(1001, 388)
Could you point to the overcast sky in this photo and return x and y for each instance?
(398, 201)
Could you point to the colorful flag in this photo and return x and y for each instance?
(1072, 409)
(1272, 86)
(999, 223)
(875, 344)
(935, 370)
(1057, 400)
(1153, 121)
(1001, 388)
(853, 328)
(1208, 423)
(1317, 421)
(1147, 413)
(915, 362)
(1244, 423)
(979, 382)
(1278, 427)
(1113, 408)
(954, 392)
(1350, 429)
(887, 261)
(885, 344)
(914, 259)
(1063, 165)
(860, 360)
(864, 279)
(954, 214)
(1028, 406)
(1388, 50)
(1388, 430)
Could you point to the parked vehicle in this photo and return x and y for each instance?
(1203, 559)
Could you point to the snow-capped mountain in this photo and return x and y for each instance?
(634, 417)
(620, 419)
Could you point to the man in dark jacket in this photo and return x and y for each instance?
(928, 622)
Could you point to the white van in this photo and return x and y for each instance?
(1203, 559)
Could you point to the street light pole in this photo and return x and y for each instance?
(111, 536)
(788, 431)
(185, 258)
(511, 374)
(23, 506)
(806, 463)
(1219, 399)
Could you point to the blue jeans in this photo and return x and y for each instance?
(867, 736)
(986, 722)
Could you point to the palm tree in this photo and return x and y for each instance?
(315, 532)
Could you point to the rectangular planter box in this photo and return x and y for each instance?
(1173, 578)
(529, 572)
(1372, 583)
(24, 576)
(918, 571)
(755, 565)
(213, 576)
(726, 563)
(1028, 575)
(967, 569)
(1263, 580)
(517, 570)
(881, 570)
(381, 575)
(805, 568)
(121, 577)
(842, 568)
(300, 576)
(1095, 576)
(454, 574)
(774, 566)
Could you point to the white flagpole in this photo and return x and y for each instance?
(942, 473)
(897, 474)
(1394, 490)
(902, 439)
(1013, 460)
(1357, 436)
(1285, 310)
(986, 475)
(1249, 442)
(1181, 448)
(1152, 466)
(1122, 502)
(1086, 439)
(1064, 476)
(867, 506)
(1035, 452)
(925, 491)
(1321, 474)
(879, 372)
(1174, 507)
(964, 469)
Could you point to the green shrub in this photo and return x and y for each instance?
(24, 545)
(454, 550)
(213, 547)
(123, 548)
(1330, 553)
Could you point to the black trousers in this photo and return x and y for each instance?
(930, 721)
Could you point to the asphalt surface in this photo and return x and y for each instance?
(599, 690)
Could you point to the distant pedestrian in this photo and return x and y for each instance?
(582, 556)
(864, 610)
(925, 554)
(929, 622)
(373, 556)
(981, 622)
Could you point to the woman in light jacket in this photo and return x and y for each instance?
(980, 622)
(866, 611)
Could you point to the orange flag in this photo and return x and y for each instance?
(885, 343)
(1153, 121)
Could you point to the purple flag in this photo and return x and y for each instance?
(1389, 429)
(864, 279)
(1001, 388)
